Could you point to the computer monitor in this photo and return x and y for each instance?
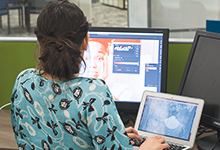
(201, 79)
(130, 60)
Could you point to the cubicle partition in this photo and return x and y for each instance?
(14, 57)
(17, 54)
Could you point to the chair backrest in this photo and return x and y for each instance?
(14, 1)
(38, 4)
(3, 4)
(35, 6)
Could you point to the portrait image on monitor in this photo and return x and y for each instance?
(130, 60)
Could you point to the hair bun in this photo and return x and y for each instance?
(59, 45)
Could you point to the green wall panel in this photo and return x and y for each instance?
(17, 56)
(177, 58)
(14, 57)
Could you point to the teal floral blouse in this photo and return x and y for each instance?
(72, 115)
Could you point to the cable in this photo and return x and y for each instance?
(202, 130)
(5, 106)
(213, 147)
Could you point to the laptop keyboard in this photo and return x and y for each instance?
(175, 146)
(137, 142)
(172, 146)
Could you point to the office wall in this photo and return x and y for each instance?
(17, 56)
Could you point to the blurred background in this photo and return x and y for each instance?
(182, 17)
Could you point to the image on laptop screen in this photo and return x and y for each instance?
(130, 63)
(168, 117)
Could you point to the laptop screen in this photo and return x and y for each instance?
(168, 117)
(129, 62)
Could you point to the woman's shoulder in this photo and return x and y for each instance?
(91, 79)
(26, 72)
(92, 84)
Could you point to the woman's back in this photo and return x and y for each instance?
(64, 115)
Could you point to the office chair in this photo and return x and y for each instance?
(15, 4)
(32, 7)
(4, 10)
(5, 106)
(5, 6)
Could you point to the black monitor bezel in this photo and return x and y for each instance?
(132, 107)
(205, 120)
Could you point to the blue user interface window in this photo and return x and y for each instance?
(126, 58)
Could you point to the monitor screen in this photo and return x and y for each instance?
(201, 77)
(130, 60)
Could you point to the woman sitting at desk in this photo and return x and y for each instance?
(53, 108)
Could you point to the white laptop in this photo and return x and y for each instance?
(176, 118)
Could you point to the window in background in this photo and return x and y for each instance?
(29, 12)
(99, 13)
(182, 17)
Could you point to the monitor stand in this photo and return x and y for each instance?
(127, 118)
(208, 142)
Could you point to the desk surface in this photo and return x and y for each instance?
(7, 140)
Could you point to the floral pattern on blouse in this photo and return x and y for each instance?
(72, 115)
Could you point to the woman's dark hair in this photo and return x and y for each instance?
(61, 28)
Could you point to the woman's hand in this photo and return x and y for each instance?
(151, 143)
(132, 133)
(154, 143)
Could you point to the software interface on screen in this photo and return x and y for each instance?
(168, 117)
(130, 63)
